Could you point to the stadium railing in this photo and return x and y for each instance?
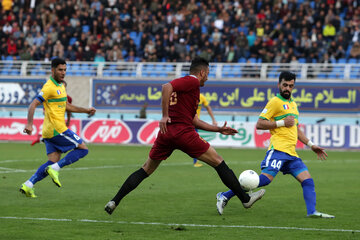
(219, 71)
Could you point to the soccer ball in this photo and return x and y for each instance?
(249, 180)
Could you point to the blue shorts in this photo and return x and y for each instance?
(276, 161)
(63, 142)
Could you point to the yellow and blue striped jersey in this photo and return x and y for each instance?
(282, 138)
(53, 96)
(202, 102)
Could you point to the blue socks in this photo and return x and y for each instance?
(264, 180)
(309, 195)
(72, 157)
(40, 173)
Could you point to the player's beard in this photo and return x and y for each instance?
(285, 94)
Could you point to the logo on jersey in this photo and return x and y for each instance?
(58, 92)
(286, 106)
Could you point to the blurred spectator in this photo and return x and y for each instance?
(99, 57)
(11, 47)
(329, 31)
(70, 54)
(58, 50)
(6, 5)
(242, 44)
(355, 51)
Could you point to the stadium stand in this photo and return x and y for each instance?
(175, 31)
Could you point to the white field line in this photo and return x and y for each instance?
(181, 224)
(10, 170)
(165, 164)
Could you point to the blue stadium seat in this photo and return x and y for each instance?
(322, 75)
(72, 41)
(242, 60)
(253, 60)
(9, 58)
(4, 72)
(353, 60)
(302, 60)
(341, 60)
(133, 35)
(85, 28)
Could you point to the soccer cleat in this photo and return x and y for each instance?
(110, 207)
(254, 197)
(221, 202)
(198, 164)
(54, 175)
(35, 141)
(317, 214)
(28, 191)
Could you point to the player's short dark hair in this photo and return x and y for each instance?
(287, 76)
(56, 62)
(197, 64)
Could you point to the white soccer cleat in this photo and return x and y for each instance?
(254, 197)
(221, 202)
(110, 207)
(317, 214)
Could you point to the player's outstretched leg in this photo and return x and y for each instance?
(230, 180)
(222, 198)
(70, 158)
(27, 188)
(130, 184)
(310, 200)
(221, 202)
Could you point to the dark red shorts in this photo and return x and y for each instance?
(178, 136)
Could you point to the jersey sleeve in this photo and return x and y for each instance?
(203, 100)
(184, 84)
(269, 111)
(44, 94)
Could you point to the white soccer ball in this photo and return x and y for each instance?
(249, 180)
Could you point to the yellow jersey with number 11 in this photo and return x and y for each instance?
(282, 138)
(53, 96)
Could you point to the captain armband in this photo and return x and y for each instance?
(280, 123)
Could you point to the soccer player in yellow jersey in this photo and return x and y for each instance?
(280, 116)
(57, 137)
(205, 103)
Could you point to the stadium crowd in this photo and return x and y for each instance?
(279, 31)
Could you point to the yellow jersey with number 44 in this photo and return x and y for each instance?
(282, 138)
(53, 96)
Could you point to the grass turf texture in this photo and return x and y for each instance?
(176, 202)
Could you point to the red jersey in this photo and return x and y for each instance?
(184, 100)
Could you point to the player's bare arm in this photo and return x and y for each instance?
(264, 124)
(200, 124)
(209, 110)
(30, 117)
(320, 152)
(167, 90)
(72, 108)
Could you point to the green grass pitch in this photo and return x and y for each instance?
(176, 202)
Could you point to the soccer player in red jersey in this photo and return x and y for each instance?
(180, 99)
